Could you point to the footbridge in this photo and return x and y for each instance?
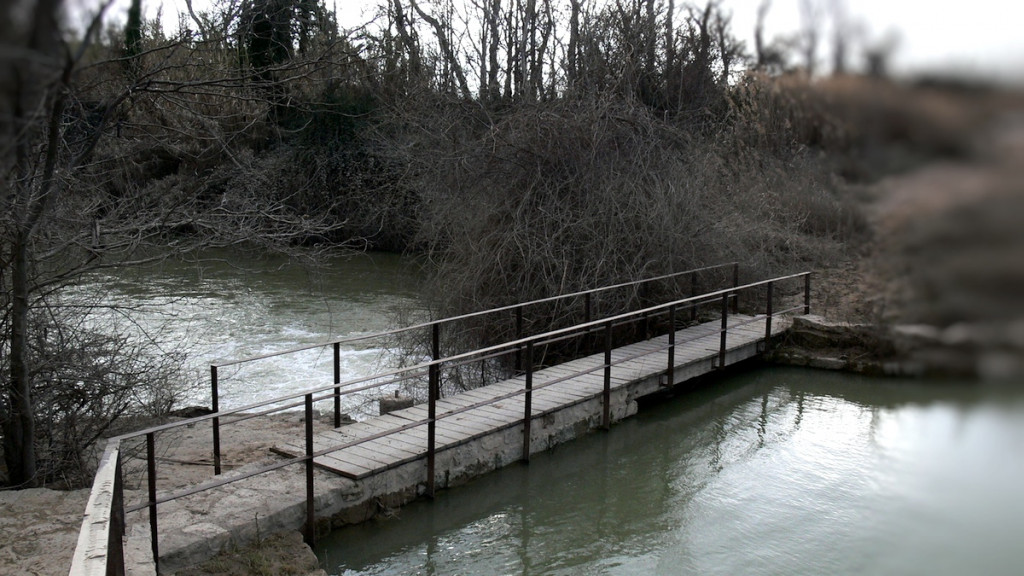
(552, 369)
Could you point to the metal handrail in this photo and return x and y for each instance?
(467, 316)
(435, 326)
(506, 346)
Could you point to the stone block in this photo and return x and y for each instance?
(389, 404)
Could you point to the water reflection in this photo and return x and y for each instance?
(771, 472)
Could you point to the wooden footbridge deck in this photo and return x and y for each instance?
(627, 354)
(381, 443)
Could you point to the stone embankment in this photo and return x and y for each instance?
(985, 351)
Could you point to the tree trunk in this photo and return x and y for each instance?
(441, 33)
(493, 90)
(31, 193)
(572, 58)
(759, 46)
(19, 424)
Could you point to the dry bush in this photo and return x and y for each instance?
(96, 373)
(561, 197)
(867, 127)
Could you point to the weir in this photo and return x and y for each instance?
(341, 474)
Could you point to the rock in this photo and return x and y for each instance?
(816, 333)
(390, 404)
(988, 351)
(827, 363)
(283, 553)
(919, 332)
(190, 412)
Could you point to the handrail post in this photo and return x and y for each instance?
(725, 328)
(768, 318)
(115, 539)
(693, 293)
(337, 380)
(607, 393)
(435, 341)
(528, 402)
(310, 497)
(586, 308)
(433, 391)
(151, 482)
(215, 407)
(736, 283)
(807, 293)
(670, 372)
(434, 377)
(519, 335)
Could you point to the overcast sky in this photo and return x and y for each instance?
(980, 36)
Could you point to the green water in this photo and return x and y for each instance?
(234, 304)
(770, 471)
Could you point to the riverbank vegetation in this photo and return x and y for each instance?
(523, 149)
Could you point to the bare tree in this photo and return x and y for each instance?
(443, 35)
(841, 36)
(492, 23)
(770, 57)
(877, 54)
(760, 48)
(82, 145)
(572, 52)
(810, 33)
(35, 101)
(730, 50)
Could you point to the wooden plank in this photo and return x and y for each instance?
(640, 348)
(566, 392)
(559, 395)
(541, 403)
(574, 373)
(397, 440)
(509, 407)
(754, 328)
(444, 435)
(583, 387)
(453, 428)
(376, 450)
(354, 454)
(485, 394)
(595, 365)
(748, 331)
(639, 368)
(506, 386)
(470, 424)
(416, 437)
(347, 467)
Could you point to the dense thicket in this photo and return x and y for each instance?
(525, 148)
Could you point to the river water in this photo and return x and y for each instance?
(232, 305)
(769, 471)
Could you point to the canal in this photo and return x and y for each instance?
(767, 471)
